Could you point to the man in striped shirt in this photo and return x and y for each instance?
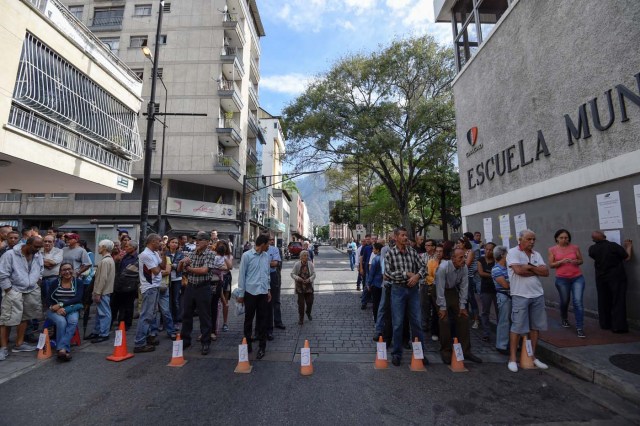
(404, 269)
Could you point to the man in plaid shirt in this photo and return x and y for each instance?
(198, 266)
(404, 269)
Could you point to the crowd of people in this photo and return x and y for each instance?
(446, 288)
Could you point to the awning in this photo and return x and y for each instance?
(77, 224)
(179, 225)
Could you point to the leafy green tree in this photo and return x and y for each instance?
(344, 212)
(391, 111)
(323, 232)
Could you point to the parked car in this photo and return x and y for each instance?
(294, 248)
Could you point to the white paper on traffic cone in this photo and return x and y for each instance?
(417, 350)
(382, 350)
(42, 340)
(118, 340)
(457, 349)
(243, 353)
(529, 347)
(305, 357)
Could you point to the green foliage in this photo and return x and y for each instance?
(323, 232)
(344, 212)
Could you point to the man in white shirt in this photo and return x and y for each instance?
(52, 257)
(527, 295)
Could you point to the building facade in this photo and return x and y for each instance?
(548, 121)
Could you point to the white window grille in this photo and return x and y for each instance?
(138, 41)
(142, 10)
(62, 95)
(108, 17)
(113, 43)
(138, 72)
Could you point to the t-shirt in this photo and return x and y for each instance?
(151, 260)
(77, 256)
(566, 270)
(486, 284)
(528, 287)
(500, 271)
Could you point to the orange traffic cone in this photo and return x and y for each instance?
(120, 345)
(45, 352)
(456, 366)
(306, 366)
(526, 361)
(417, 364)
(177, 358)
(243, 358)
(381, 364)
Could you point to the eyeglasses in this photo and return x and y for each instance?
(66, 270)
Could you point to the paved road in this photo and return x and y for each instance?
(344, 389)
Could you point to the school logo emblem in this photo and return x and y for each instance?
(472, 136)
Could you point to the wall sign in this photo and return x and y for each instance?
(181, 207)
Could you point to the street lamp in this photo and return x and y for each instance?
(146, 180)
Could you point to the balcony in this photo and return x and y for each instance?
(232, 29)
(232, 66)
(228, 133)
(254, 71)
(275, 225)
(253, 98)
(254, 130)
(252, 155)
(105, 23)
(226, 163)
(229, 93)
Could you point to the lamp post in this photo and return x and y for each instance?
(146, 180)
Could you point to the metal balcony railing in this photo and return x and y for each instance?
(252, 155)
(254, 94)
(54, 133)
(228, 123)
(106, 21)
(229, 17)
(228, 163)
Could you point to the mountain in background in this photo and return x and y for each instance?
(316, 197)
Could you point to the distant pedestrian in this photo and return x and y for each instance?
(351, 251)
(365, 255)
(303, 274)
(611, 281)
(275, 314)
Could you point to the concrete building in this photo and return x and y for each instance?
(209, 64)
(547, 105)
(296, 220)
(68, 109)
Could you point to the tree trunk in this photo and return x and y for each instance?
(443, 213)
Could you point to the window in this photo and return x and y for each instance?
(167, 8)
(139, 72)
(76, 11)
(108, 17)
(113, 43)
(138, 41)
(36, 196)
(142, 10)
(59, 195)
(159, 74)
(10, 196)
(163, 39)
(95, 197)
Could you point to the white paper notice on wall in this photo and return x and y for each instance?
(487, 225)
(636, 195)
(505, 243)
(613, 235)
(505, 226)
(520, 222)
(609, 210)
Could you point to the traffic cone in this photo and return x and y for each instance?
(243, 359)
(526, 361)
(456, 366)
(45, 352)
(380, 364)
(120, 352)
(177, 358)
(306, 370)
(417, 364)
(75, 340)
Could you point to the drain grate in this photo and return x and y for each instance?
(628, 362)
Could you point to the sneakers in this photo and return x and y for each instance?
(565, 323)
(25, 347)
(541, 365)
(395, 360)
(225, 328)
(4, 353)
(145, 348)
(581, 333)
(476, 324)
(512, 366)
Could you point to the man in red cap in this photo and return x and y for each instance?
(75, 254)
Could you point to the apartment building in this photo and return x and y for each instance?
(208, 64)
(68, 112)
(547, 102)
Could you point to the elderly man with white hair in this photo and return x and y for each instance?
(102, 289)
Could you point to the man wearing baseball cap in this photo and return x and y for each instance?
(75, 254)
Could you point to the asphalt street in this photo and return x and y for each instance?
(344, 389)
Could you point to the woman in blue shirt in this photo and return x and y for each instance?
(65, 302)
(374, 279)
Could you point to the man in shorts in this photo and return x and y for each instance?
(527, 296)
(20, 271)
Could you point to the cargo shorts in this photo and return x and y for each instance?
(18, 307)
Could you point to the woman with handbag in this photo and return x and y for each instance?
(303, 275)
(65, 304)
(175, 286)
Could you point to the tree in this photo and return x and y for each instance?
(289, 185)
(389, 111)
(344, 212)
(323, 232)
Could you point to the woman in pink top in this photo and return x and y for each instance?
(566, 259)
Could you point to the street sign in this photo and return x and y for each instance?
(360, 230)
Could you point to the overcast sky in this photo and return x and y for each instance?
(305, 37)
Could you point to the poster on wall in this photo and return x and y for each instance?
(487, 227)
(520, 222)
(505, 229)
(636, 195)
(613, 235)
(609, 210)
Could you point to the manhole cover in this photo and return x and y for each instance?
(628, 362)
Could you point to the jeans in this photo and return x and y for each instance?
(504, 321)
(65, 328)
(103, 319)
(176, 306)
(376, 295)
(165, 311)
(487, 300)
(575, 286)
(383, 322)
(405, 298)
(366, 297)
(352, 259)
(147, 315)
(472, 303)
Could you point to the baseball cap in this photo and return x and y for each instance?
(72, 236)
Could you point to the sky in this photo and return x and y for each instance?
(305, 37)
